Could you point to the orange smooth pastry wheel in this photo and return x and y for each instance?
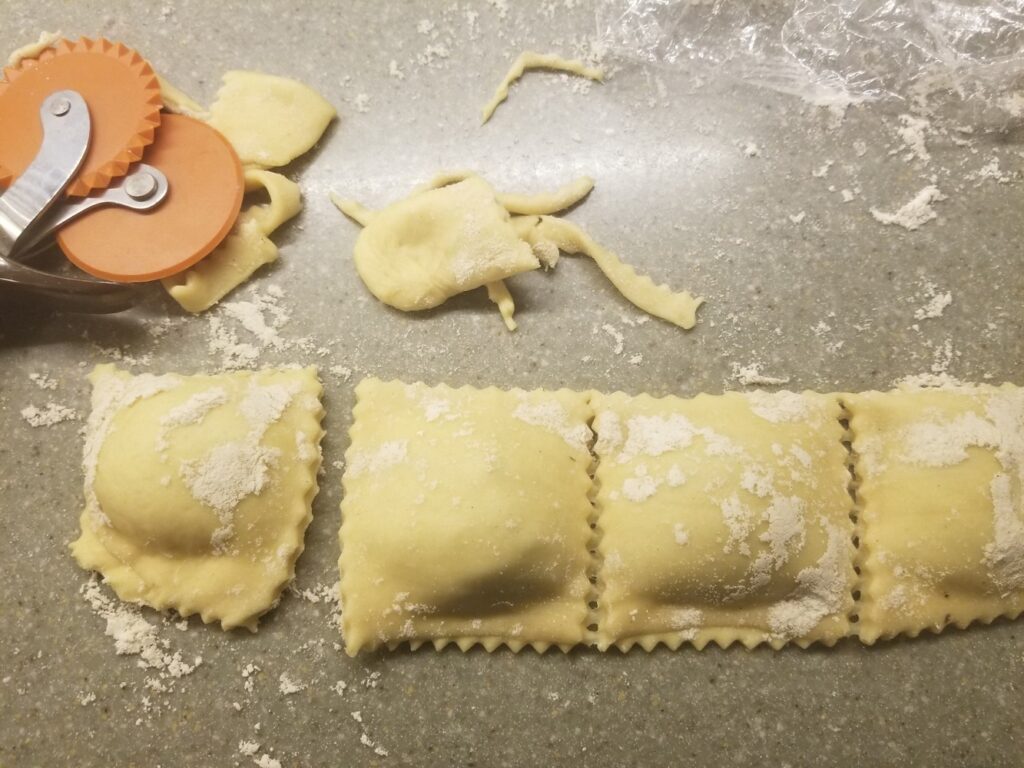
(205, 190)
(124, 101)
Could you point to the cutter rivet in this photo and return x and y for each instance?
(140, 186)
(61, 107)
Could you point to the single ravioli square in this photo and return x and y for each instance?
(942, 517)
(198, 489)
(722, 518)
(466, 518)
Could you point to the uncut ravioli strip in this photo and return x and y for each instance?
(465, 518)
(941, 515)
(199, 488)
(722, 519)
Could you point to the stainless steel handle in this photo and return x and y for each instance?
(143, 188)
(73, 294)
(66, 128)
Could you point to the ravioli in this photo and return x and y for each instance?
(465, 518)
(199, 489)
(722, 519)
(941, 514)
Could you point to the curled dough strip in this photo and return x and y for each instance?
(245, 250)
(498, 293)
(532, 60)
(658, 300)
(358, 212)
(551, 202)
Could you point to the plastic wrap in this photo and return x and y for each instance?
(835, 51)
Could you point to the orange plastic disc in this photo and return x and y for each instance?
(205, 189)
(124, 105)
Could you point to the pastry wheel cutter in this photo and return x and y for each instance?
(30, 211)
(75, 124)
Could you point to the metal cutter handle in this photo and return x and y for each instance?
(66, 130)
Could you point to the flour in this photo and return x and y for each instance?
(608, 429)
(134, 636)
(991, 171)
(362, 103)
(675, 477)
(366, 741)
(654, 435)
(912, 131)
(386, 455)
(944, 444)
(263, 405)
(553, 417)
(641, 486)
(914, 214)
(820, 591)
(751, 375)
(233, 471)
(192, 411)
(778, 407)
(48, 415)
(1004, 555)
(248, 748)
(686, 621)
(229, 473)
(785, 533)
(263, 317)
(43, 381)
(822, 170)
(617, 337)
(680, 534)
(935, 303)
(739, 519)
(287, 686)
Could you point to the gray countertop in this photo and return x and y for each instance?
(827, 301)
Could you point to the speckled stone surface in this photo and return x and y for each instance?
(828, 301)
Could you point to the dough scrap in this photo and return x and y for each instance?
(465, 518)
(177, 101)
(32, 50)
(532, 60)
(417, 253)
(941, 511)
(198, 489)
(658, 300)
(722, 519)
(245, 250)
(455, 233)
(269, 120)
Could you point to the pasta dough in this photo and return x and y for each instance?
(722, 519)
(456, 234)
(465, 518)
(245, 250)
(269, 120)
(418, 252)
(32, 50)
(941, 524)
(198, 489)
(531, 60)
